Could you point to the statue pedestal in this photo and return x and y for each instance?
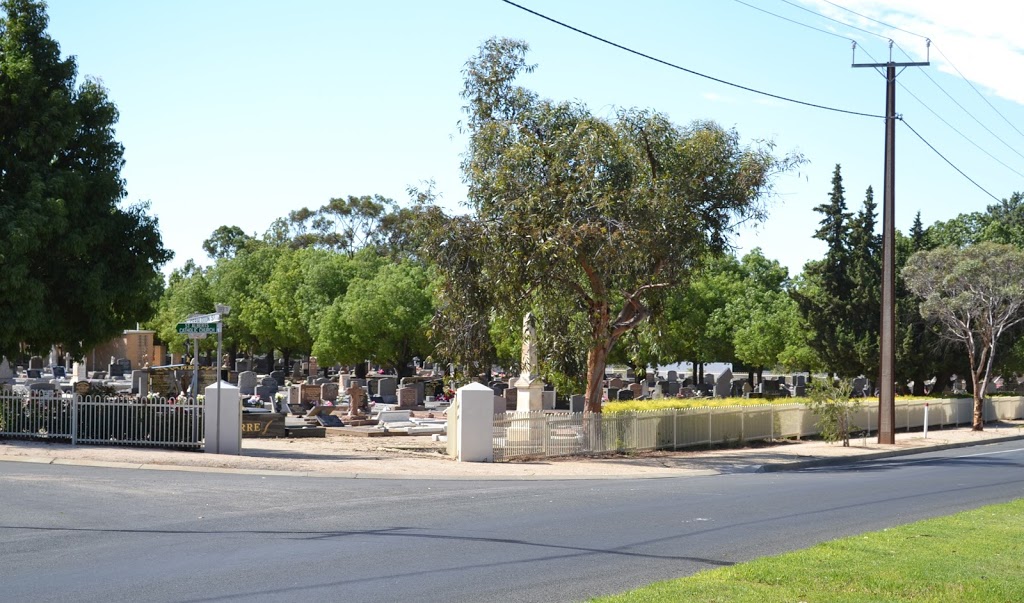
(529, 395)
(529, 398)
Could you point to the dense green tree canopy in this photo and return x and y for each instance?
(75, 266)
(603, 213)
(384, 318)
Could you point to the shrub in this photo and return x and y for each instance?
(832, 404)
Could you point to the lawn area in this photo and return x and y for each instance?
(975, 556)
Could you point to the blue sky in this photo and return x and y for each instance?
(237, 112)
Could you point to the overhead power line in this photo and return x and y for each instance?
(962, 135)
(951, 164)
(843, 23)
(795, 22)
(684, 69)
(937, 49)
(851, 11)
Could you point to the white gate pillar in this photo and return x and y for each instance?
(222, 419)
(475, 429)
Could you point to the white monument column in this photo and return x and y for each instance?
(529, 386)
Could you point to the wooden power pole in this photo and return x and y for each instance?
(887, 336)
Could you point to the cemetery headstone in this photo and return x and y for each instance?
(511, 398)
(356, 400)
(34, 373)
(6, 371)
(673, 376)
(329, 392)
(577, 403)
(548, 400)
(709, 379)
(35, 362)
(247, 382)
(623, 394)
(314, 366)
(637, 389)
(630, 374)
(58, 372)
(115, 371)
(406, 396)
(242, 365)
(673, 388)
(141, 385)
(278, 376)
(616, 383)
(265, 392)
(723, 385)
(387, 389)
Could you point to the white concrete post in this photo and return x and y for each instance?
(222, 420)
(475, 423)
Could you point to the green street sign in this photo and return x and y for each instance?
(197, 328)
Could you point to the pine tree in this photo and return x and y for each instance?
(865, 276)
(824, 294)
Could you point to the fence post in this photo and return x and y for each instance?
(75, 398)
(709, 426)
(675, 429)
(771, 420)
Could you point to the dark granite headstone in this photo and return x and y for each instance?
(329, 420)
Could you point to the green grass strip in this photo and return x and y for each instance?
(975, 556)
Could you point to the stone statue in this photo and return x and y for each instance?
(528, 360)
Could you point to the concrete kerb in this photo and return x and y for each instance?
(676, 473)
(698, 467)
(872, 456)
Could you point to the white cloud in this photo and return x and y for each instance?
(981, 38)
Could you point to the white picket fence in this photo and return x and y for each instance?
(548, 434)
(120, 420)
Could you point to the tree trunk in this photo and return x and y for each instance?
(287, 355)
(978, 390)
(978, 424)
(597, 360)
(700, 373)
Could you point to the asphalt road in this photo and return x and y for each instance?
(98, 534)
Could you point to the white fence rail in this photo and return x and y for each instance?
(132, 421)
(547, 434)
